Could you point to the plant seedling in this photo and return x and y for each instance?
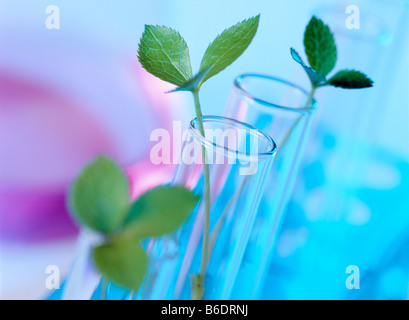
(321, 52)
(99, 200)
(164, 53)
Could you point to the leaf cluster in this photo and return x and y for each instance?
(99, 200)
(164, 53)
(321, 52)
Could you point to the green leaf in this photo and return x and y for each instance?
(122, 261)
(165, 54)
(228, 46)
(315, 77)
(99, 197)
(159, 211)
(350, 79)
(320, 46)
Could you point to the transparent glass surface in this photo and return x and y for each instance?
(284, 111)
(240, 158)
(347, 208)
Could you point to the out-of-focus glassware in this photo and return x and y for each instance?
(284, 111)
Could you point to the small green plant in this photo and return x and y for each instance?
(321, 52)
(99, 200)
(165, 54)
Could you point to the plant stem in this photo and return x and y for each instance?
(104, 288)
(238, 191)
(307, 104)
(223, 216)
(198, 281)
(310, 96)
(228, 206)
